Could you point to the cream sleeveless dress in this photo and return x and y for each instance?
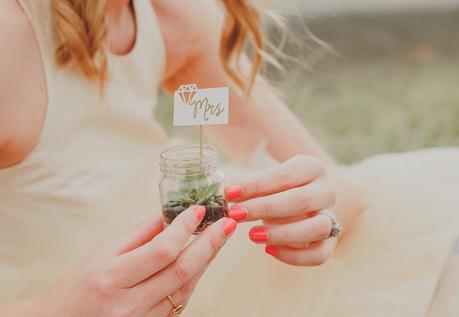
(94, 174)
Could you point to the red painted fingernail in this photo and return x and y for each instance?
(270, 249)
(234, 191)
(229, 225)
(199, 211)
(258, 234)
(238, 213)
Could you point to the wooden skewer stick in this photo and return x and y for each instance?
(201, 141)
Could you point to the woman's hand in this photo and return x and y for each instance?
(291, 199)
(134, 275)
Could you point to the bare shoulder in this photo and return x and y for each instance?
(22, 93)
(189, 28)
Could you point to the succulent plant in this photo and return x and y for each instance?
(195, 189)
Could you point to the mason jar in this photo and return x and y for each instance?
(190, 176)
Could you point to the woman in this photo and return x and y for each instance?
(77, 169)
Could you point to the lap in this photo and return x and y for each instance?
(389, 265)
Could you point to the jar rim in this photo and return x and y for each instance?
(208, 151)
(186, 159)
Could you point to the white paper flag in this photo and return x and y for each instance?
(193, 106)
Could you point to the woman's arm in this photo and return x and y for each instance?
(22, 92)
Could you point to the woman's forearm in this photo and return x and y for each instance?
(287, 137)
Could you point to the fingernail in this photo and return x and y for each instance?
(270, 249)
(258, 234)
(229, 225)
(233, 192)
(199, 211)
(238, 213)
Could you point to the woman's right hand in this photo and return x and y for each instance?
(134, 275)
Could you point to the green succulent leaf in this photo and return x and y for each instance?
(195, 189)
(195, 193)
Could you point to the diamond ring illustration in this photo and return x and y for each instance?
(187, 92)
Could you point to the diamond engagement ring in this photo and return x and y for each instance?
(336, 226)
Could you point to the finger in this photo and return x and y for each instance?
(180, 297)
(139, 264)
(314, 256)
(139, 235)
(295, 172)
(192, 259)
(301, 232)
(294, 202)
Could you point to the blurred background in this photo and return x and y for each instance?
(368, 77)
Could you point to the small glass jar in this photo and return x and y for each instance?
(190, 177)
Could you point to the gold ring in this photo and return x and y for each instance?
(178, 309)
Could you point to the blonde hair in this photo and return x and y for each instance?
(81, 32)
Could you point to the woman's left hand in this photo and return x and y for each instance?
(291, 199)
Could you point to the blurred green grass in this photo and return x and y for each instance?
(365, 111)
(393, 86)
